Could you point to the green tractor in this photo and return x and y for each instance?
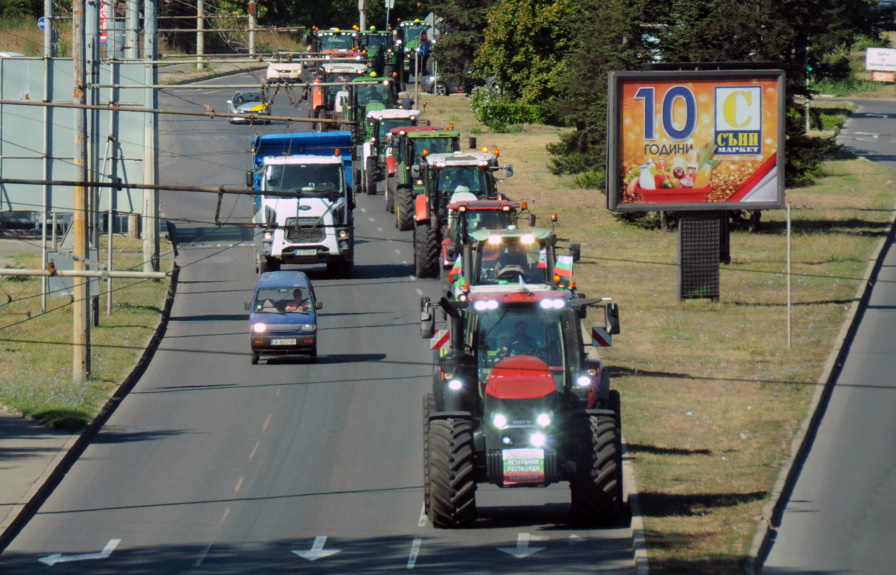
(445, 175)
(409, 148)
(379, 124)
(377, 48)
(408, 39)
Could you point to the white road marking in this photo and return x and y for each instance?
(397, 251)
(522, 548)
(419, 291)
(411, 277)
(415, 549)
(379, 230)
(202, 555)
(60, 558)
(267, 422)
(254, 449)
(239, 484)
(317, 550)
(371, 219)
(422, 521)
(364, 210)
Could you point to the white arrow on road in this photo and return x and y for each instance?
(317, 550)
(522, 548)
(60, 558)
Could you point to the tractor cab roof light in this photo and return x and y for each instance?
(527, 239)
(485, 304)
(552, 304)
(494, 240)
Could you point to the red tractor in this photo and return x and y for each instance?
(522, 399)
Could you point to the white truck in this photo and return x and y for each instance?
(303, 201)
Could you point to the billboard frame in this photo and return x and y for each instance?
(616, 82)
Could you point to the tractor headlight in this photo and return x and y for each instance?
(259, 327)
(500, 421)
(538, 439)
(543, 419)
(583, 381)
(552, 304)
(483, 305)
(455, 385)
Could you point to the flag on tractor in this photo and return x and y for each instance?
(543, 259)
(563, 267)
(455, 270)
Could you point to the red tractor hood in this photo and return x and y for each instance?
(520, 377)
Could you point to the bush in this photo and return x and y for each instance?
(498, 112)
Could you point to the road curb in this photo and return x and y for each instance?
(639, 542)
(770, 519)
(75, 446)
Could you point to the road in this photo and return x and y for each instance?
(214, 465)
(839, 518)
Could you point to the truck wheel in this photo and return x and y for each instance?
(273, 265)
(452, 483)
(390, 194)
(370, 172)
(426, 251)
(596, 486)
(429, 405)
(333, 266)
(255, 357)
(404, 209)
(313, 355)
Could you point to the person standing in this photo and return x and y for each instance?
(424, 50)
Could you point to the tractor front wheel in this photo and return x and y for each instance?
(596, 486)
(370, 173)
(426, 251)
(404, 209)
(452, 483)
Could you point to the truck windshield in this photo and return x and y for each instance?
(531, 331)
(308, 179)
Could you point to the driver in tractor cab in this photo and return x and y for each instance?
(520, 343)
(458, 181)
(513, 264)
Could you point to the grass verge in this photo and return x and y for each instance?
(712, 395)
(36, 358)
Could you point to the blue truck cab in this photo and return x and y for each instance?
(283, 315)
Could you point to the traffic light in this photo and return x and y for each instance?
(811, 62)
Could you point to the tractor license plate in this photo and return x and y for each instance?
(523, 466)
(311, 252)
(285, 341)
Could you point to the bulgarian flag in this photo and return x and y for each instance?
(543, 259)
(456, 270)
(563, 267)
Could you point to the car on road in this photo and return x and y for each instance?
(283, 316)
(249, 102)
(446, 85)
(284, 72)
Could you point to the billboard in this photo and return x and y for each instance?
(695, 140)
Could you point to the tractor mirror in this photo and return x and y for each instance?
(612, 312)
(472, 143)
(246, 306)
(508, 171)
(250, 179)
(318, 305)
(427, 319)
(415, 171)
(531, 220)
(575, 250)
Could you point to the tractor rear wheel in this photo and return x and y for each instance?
(404, 209)
(596, 486)
(370, 173)
(452, 483)
(426, 251)
(429, 405)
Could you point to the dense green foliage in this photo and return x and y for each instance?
(465, 24)
(498, 112)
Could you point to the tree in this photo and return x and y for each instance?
(465, 24)
(526, 45)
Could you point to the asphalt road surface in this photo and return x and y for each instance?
(212, 465)
(840, 517)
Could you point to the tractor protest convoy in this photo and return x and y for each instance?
(520, 396)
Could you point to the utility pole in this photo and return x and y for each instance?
(81, 304)
(362, 8)
(252, 8)
(150, 138)
(49, 54)
(131, 51)
(200, 34)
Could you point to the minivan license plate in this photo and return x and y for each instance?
(290, 341)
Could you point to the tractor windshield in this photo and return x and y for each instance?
(481, 220)
(473, 179)
(335, 42)
(412, 33)
(434, 146)
(374, 93)
(386, 124)
(528, 331)
(511, 262)
(316, 180)
(375, 43)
